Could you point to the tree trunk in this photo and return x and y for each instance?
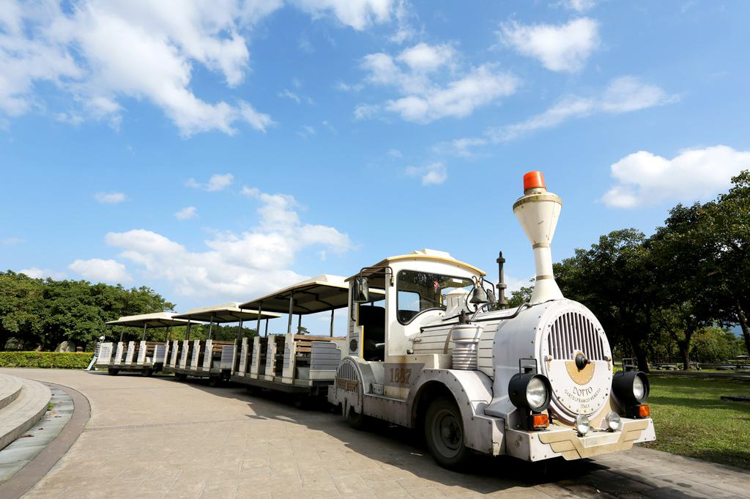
(744, 326)
(640, 356)
(685, 354)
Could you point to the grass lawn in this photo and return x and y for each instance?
(692, 420)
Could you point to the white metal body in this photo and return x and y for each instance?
(419, 360)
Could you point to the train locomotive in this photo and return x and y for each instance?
(536, 382)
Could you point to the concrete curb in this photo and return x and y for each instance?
(30, 474)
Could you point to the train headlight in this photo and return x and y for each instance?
(530, 391)
(614, 423)
(639, 390)
(630, 387)
(583, 425)
(537, 394)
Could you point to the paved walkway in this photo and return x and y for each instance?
(157, 438)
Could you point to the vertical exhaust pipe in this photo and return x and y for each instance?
(537, 211)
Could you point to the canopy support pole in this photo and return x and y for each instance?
(260, 313)
(331, 332)
(187, 334)
(210, 327)
(122, 331)
(143, 338)
(267, 327)
(291, 313)
(299, 324)
(239, 331)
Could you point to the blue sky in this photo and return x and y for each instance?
(216, 150)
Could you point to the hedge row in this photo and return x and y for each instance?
(52, 360)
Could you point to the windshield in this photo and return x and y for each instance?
(420, 291)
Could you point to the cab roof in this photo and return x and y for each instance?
(158, 319)
(226, 312)
(431, 256)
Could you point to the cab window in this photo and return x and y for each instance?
(418, 292)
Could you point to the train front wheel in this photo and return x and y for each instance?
(444, 433)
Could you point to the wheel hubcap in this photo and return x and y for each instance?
(449, 432)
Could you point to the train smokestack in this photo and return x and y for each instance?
(538, 211)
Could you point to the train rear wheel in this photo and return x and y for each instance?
(181, 377)
(356, 420)
(444, 433)
(113, 372)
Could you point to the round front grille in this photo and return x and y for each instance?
(583, 387)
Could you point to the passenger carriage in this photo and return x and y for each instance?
(209, 358)
(302, 364)
(142, 356)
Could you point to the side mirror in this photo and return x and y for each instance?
(360, 290)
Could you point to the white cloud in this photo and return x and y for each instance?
(234, 266)
(366, 111)
(100, 53)
(628, 93)
(288, 94)
(427, 58)
(644, 178)
(623, 95)
(306, 132)
(216, 183)
(358, 14)
(577, 5)
(432, 174)
(395, 153)
(110, 197)
(12, 241)
(99, 270)
(187, 213)
(414, 74)
(564, 47)
(37, 273)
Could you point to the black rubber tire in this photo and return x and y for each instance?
(112, 372)
(146, 373)
(181, 377)
(303, 402)
(214, 381)
(444, 434)
(356, 420)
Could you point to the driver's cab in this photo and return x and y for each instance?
(390, 302)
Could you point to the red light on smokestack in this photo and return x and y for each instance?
(533, 180)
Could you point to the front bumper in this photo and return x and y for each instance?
(564, 441)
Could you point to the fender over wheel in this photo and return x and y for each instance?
(444, 434)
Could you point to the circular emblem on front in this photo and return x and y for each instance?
(353, 345)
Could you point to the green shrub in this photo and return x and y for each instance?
(50, 360)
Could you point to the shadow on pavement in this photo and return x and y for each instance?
(403, 448)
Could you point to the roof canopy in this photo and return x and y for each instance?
(227, 312)
(317, 294)
(158, 319)
(425, 255)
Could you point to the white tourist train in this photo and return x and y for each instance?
(428, 346)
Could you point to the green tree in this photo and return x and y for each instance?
(43, 313)
(681, 257)
(728, 227)
(615, 279)
(520, 296)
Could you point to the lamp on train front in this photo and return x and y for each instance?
(631, 389)
(531, 393)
